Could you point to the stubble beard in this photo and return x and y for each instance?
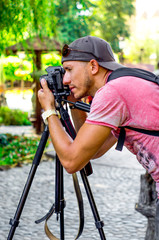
(87, 85)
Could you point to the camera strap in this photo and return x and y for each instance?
(49, 234)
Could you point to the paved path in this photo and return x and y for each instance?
(115, 184)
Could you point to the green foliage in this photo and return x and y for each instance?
(51, 60)
(13, 117)
(9, 70)
(74, 22)
(23, 19)
(17, 149)
(65, 20)
(12, 64)
(112, 20)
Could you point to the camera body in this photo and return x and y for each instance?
(54, 80)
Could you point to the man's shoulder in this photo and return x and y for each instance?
(132, 74)
(128, 81)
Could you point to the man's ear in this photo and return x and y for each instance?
(94, 66)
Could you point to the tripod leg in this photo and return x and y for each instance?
(84, 173)
(99, 224)
(15, 221)
(59, 196)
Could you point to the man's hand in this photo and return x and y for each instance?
(46, 97)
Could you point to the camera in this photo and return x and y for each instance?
(54, 80)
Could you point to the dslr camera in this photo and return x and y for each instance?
(54, 80)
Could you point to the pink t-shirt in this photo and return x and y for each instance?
(131, 101)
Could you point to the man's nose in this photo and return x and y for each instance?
(66, 79)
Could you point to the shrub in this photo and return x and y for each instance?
(17, 149)
(13, 117)
(13, 63)
(51, 60)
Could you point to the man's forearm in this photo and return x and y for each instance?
(75, 154)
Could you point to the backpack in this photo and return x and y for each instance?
(140, 73)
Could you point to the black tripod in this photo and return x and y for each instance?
(59, 195)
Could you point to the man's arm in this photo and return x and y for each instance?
(79, 118)
(74, 155)
(110, 141)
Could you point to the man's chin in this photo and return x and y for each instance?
(78, 97)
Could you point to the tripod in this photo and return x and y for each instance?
(59, 194)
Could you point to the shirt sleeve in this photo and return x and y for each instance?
(108, 108)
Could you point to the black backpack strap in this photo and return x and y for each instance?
(121, 139)
(136, 72)
(122, 135)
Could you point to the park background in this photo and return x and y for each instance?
(31, 37)
(33, 33)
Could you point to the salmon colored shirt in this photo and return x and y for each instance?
(131, 101)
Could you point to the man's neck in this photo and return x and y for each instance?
(101, 80)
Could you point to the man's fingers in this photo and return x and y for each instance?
(44, 84)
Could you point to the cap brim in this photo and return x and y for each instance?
(111, 65)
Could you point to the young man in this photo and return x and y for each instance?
(126, 101)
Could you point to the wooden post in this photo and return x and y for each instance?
(147, 204)
(37, 61)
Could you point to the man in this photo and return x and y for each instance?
(126, 101)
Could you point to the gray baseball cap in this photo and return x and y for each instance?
(89, 47)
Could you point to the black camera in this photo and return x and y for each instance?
(54, 80)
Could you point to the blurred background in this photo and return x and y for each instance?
(33, 32)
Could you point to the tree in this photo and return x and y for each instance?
(111, 23)
(64, 20)
(73, 19)
(23, 19)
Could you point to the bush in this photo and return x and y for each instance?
(13, 117)
(15, 150)
(52, 59)
(12, 64)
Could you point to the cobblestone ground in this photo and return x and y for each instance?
(115, 184)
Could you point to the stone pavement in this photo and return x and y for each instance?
(115, 184)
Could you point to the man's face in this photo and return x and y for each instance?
(77, 77)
